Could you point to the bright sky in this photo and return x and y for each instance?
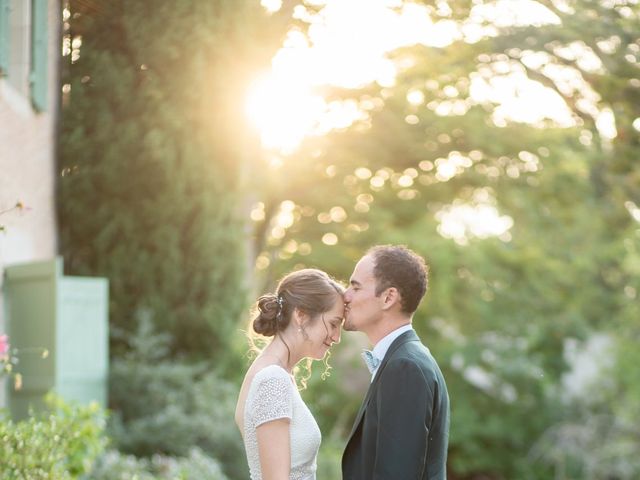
(346, 46)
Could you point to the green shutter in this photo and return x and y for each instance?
(67, 316)
(39, 54)
(4, 37)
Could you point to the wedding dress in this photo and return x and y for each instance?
(273, 395)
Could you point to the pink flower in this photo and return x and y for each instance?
(4, 345)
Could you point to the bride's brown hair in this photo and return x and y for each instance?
(309, 290)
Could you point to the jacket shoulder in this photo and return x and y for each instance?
(414, 355)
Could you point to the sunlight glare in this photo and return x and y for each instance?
(330, 239)
(415, 97)
(271, 6)
(633, 209)
(505, 13)
(284, 111)
(344, 49)
(347, 46)
(477, 218)
(606, 124)
(520, 99)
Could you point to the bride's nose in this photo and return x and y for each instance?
(335, 338)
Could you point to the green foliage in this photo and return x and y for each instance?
(601, 421)
(330, 458)
(196, 466)
(500, 310)
(169, 407)
(154, 181)
(52, 446)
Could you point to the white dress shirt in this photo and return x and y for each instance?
(380, 350)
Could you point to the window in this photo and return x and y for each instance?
(4, 37)
(39, 54)
(23, 48)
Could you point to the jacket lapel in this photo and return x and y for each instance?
(409, 336)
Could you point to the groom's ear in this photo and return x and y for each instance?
(390, 297)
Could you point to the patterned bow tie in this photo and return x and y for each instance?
(371, 360)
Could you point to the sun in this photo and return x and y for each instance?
(283, 110)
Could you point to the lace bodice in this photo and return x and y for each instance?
(273, 395)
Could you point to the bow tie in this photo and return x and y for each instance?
(371, 360)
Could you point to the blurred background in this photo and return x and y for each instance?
(192, 152)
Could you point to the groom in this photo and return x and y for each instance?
(402, 429)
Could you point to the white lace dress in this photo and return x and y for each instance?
(273, 395)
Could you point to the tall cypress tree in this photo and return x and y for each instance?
(151, 155)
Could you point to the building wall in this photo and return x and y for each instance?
(27, 167)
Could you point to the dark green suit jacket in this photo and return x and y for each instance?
(402, 429)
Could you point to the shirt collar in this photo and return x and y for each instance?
(380, 350)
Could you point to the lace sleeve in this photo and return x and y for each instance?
(273, 399)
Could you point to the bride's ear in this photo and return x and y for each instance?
(299, 317)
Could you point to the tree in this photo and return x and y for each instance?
(501, 308)
(152, 159)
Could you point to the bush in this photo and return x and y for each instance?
(114, 465)
(52, 446)
(169, 407)
(330, 457)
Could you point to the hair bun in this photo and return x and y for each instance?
(266, 322)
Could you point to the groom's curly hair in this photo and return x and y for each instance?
(399, 267)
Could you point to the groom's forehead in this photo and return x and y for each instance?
(364, 270)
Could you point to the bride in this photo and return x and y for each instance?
(304, 316)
